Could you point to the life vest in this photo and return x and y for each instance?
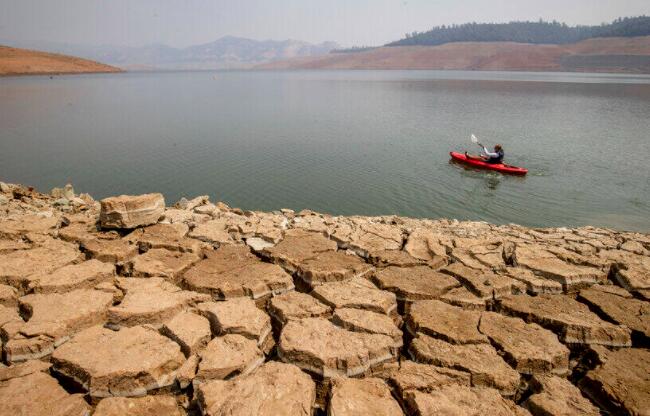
(498, 159)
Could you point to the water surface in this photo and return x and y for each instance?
(342, 142)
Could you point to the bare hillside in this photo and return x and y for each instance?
(15, 61)
(629, 55)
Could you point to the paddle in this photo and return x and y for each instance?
(475, 141)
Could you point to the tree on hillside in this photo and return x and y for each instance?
(539, 32)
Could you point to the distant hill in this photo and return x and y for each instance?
(540, 32)
(28, 62)
(225, 53)
(624, 55)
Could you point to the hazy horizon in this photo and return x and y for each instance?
(349, 23)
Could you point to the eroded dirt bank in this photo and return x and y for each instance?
(132, 307)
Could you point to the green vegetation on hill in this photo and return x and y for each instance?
(354, 49)
(540, 32)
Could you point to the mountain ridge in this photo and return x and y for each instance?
(227, 52)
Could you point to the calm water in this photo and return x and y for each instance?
(343, 142)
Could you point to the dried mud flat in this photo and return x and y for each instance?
(131, 307)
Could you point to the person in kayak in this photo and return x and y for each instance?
(493, 158)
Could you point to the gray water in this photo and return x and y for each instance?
(342, 142)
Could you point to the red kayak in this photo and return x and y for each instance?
(513, 170)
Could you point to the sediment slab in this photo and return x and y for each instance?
(161, 262)
(619, 306)
(621, 383)
(83, 275)
(189, 330)
(318, 346)
(17, 266)
(128, 362)
(356, 293)
(547, 264)
(166, 236)
(332, 266)
(297, 247)
(461, 400)
(39, 394)
(557, 396)
(54, 318)
(150, 301)
(126, 211)
(482, 361)
(465, 299)
(214, 232)
(529, 348)
(484, 283)
(359, 320)
(370, 396)
(449, 323)
(426, 378)
(365, 237)
(8, 296)
(571, 320)
(260, 393)
(226, 356)
(16, 227)
(237, 316)
(232, 271)
(296, 305)
(110, 250)
(24, 369)
(142, 406)
(414, 283)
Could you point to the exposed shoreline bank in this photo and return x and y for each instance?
(24, 62)
(613, 55)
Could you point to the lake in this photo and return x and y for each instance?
(342, 142)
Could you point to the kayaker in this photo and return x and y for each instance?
(493, 158)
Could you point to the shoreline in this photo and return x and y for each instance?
(640, 75)
(271, 70)
(44, 74)
(319, 312)
(240, 226)
(621, 228)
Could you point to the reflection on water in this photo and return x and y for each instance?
(491, 180)
(343, 142)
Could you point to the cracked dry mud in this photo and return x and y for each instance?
(130, 307)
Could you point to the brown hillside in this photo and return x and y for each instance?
(598, 55)
(27, 62)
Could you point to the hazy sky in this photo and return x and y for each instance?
(349, 22)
